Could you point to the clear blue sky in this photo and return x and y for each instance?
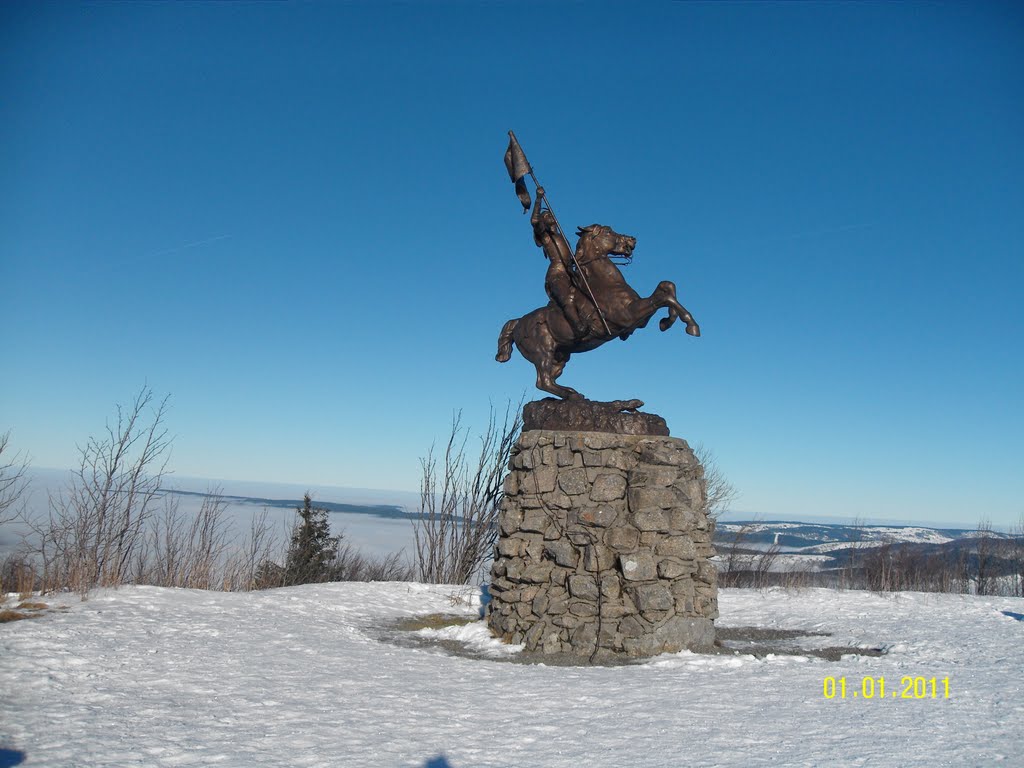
(294, 218)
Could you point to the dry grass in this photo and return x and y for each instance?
(8, 614)
(434, 621)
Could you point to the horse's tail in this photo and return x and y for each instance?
(505, 341)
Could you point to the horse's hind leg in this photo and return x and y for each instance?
(548, 370)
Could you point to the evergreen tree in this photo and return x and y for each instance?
(312, 549)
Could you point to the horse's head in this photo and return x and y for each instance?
(597, 241)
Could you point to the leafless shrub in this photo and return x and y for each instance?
(18, 574)
(352, 565)
(97, 525)
(746, 566)
(1017, 557)
(720, 492)
(456, 528)
(187, 553)
(242, 569)
(13, 482)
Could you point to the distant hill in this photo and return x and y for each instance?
(821, 547)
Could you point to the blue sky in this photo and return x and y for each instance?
(294, 218)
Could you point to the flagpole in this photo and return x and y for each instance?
(561, 233)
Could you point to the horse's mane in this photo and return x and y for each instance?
(593, 230)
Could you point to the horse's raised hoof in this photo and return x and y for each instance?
(693, 330)
(665, 323)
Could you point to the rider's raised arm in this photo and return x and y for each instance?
(535, 216)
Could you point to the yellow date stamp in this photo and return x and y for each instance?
(882, 688)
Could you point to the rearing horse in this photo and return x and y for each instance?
(544, 336)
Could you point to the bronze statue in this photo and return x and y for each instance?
(591, 302)
(558, 280)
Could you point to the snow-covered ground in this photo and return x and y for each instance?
(146, 676)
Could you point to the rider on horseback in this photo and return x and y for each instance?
(558, 283)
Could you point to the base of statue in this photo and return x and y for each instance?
(618, 416)
(604, 547)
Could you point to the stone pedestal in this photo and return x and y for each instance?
(604, 547)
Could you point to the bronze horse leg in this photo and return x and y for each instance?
(665, 296)
(537, 344)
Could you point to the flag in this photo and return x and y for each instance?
(518, 167)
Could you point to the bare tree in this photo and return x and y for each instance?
(96, 527)
(13, 480)
(720, 492)
(456, 528)
(984, 579)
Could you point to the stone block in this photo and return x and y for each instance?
(608, 487)
(592, 459)
(652, 597)
(652, 498)
(547, 455)
(511, 547)
(534, 547)
(533, 636)
(683, 590)
(599, 517)
(649, 519)
(530, 502)
(623, 538)
(540, 480)
(613, 611)
(693, 491)
(552, 643)
(670, 453)
(610, 587)
(670, 568)
(676, 546)
(538, 573)
(563, 457)
(562, 552)
(652, 476)
(585, 637)
(540, 603)
(679, 633)
(583, 586)
(573, 481)
(632, 627)
(534, 521)
(558, 499)
(582, 608)
(557, 606)
(638, 566)
(509, 518)
(620, 460)
(597, 557)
